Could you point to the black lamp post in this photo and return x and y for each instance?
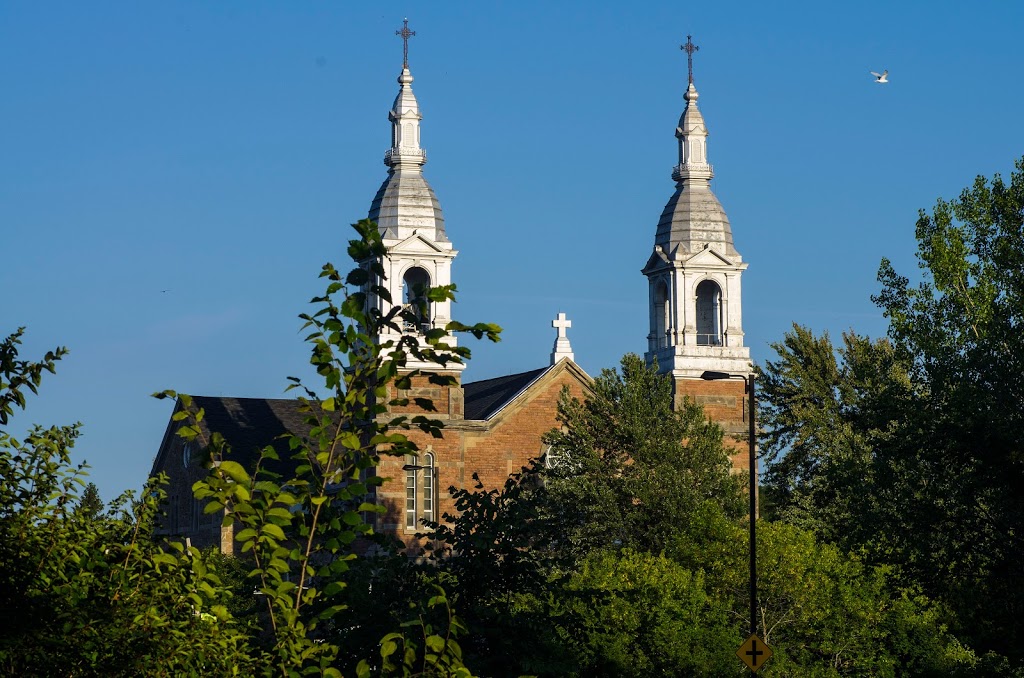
(749, 384)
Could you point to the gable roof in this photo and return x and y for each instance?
(484, 398)
(250, 424)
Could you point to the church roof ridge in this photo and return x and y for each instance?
(486, 397)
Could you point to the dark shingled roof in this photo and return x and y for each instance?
(250, 424)
(484, 398)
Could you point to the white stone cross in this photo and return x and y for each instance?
(561, 324)
(562, 347)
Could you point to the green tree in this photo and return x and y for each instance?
(90, 503)
(827, 613)
(631, 468)
(637, 613)
(93, 595)
(302, 531)
(102, 594)
(962, 329)
(627, 472)
(498, 555)
(912, 448)
(833, 420)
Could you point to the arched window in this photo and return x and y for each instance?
(662, 322)
(709, 314)
(415, 284)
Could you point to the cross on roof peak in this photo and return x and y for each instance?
(689, 48)
(562, 347)
(561, 324)
(406, 34)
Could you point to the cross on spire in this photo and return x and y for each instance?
(406, 34)
(689, 48)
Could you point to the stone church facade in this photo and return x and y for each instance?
(493, 427)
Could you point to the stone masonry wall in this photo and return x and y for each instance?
(724, 402)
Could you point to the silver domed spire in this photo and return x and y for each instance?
(405, 201)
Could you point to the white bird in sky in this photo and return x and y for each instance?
(881, 77)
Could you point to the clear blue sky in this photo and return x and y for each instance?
(219, 150)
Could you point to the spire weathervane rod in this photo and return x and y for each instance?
(689, 48)
(406, 34)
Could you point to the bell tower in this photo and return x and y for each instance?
(694, 275)
(408, 215)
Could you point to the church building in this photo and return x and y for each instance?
(493, 427)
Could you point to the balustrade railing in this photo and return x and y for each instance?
(709, 340)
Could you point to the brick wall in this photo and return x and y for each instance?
(492, 449)
(183, 514)
(515, 437)
(724, 402)
(447, 400)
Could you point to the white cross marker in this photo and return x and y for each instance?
(562, 324)
(562, 347)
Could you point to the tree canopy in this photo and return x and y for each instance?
(909, 448)
(890, 543)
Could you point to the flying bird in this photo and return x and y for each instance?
(881, 77)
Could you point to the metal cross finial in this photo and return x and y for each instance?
(406, 34)
(689, 48)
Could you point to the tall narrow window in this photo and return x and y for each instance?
(661, 315)
(415, 284)
(709, 314)
(428, 487)
(410, 492)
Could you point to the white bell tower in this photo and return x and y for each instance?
(408, 215)
(694, 271)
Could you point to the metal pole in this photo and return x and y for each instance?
(753, 508)
(748, 382)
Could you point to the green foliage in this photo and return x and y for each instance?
(498, 550)
(826, 613)
(912, 449)
(631, 479)
(302, 531)
(18, 376)
(99, 593)
(382, 592)
(86, 593)
(423, 650)
(829, 418)
(632, 468)
(637, 613)
(502, 537)
(90, 503)
(962, 328)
